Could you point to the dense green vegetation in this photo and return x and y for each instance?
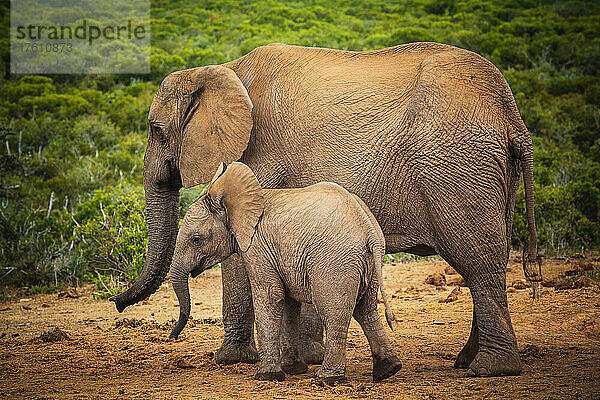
(71, 147)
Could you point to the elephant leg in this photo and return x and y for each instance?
(497, 354)
(269, 310)
(476, 245)
(335, 304)
(311, 335)
(238, 315)
(333, 369)
(291, 362)
(385, 361)
(469, 351)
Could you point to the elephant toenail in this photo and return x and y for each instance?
(481, 371)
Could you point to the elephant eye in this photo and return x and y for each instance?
(195, 239)
(158, 133)
(199, 237)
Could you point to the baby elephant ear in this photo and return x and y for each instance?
(240, 194)
(220, 169)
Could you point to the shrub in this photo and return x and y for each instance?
(112, 238)
(36, 247)
(562, 227)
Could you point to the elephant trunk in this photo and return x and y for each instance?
(162, 216)
(179, 280)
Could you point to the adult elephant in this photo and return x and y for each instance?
(427, 134)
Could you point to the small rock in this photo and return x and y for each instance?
(45, 305)
(55, 335)
(563, 283)
(548, 283)
(577, 270)
(583, 281)
(453, 296)
(438, 323)
(24, 300)
(449, 270)
(26, 307)
(587, 266)
(436, 279)
(457, 281)
(520, 284)
(183, 363)
(70, 293)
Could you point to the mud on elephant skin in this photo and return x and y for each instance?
(318, 244)
(427, 135)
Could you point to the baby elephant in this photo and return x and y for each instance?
(318, 244)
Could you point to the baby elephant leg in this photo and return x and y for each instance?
(268, 312)
(311, 335)
(335, 306)
(385, 362)
(291, 362)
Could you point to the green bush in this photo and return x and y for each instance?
(188, 196)
(112, 237)
(36, 247)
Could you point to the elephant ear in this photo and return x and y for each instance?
(216, 122)
(238, 191)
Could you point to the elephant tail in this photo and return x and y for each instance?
(376, 245)
(531, 261)
(378, 251)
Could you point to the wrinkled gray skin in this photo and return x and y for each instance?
(318, 244)
(427, 135)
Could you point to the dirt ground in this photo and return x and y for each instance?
(111, 355)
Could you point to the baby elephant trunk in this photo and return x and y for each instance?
(179, 280)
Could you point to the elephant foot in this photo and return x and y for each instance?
(329, 377)
(312, 352)
(485, 365)
(329, 380)
(232, 353)
(383, 368)
(294, 367)
(465, 357)
(263, 375)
